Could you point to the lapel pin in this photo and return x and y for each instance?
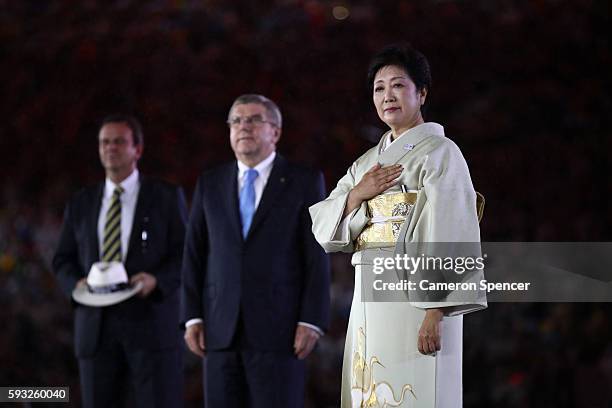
(143, 242)
(282, 180)
(408, 146)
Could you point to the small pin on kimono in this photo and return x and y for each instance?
(408, 146)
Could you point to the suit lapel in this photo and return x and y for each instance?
(229, 188)
(94, 215)
(145, 196)
(276, 183)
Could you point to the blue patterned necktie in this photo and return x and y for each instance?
(247, 200)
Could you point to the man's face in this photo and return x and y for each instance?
(118, 153)
(252, 142)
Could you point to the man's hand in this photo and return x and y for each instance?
(81, 282)
(194, 338)
(429, 333)
(376, 181)
(149, 282)
(305, 340)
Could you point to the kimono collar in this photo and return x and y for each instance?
(391, 153)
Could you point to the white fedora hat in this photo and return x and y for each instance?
(107, 284)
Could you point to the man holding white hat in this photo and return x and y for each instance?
(119, 258)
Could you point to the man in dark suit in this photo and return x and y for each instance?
(135, 343)
(255, 282)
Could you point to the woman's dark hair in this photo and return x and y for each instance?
(404, 56)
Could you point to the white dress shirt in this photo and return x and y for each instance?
(131, 186)
(264, 168)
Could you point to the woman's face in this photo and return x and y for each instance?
(397, 100)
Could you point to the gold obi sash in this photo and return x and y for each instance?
(387, 214)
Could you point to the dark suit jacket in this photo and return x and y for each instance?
(275, 278)
(151, 323)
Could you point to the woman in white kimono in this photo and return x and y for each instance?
(413, 187)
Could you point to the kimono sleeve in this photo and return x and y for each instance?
(327, 217)
(449, 224)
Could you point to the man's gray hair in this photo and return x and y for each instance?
(271, 108)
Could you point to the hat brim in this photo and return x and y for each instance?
(82, 295)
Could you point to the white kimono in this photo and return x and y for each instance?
(382, 366)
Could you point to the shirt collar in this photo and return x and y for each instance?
(129, 185)
(263, 167)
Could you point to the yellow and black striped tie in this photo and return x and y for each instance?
(111, 247)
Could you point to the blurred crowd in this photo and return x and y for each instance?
(521, 86)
